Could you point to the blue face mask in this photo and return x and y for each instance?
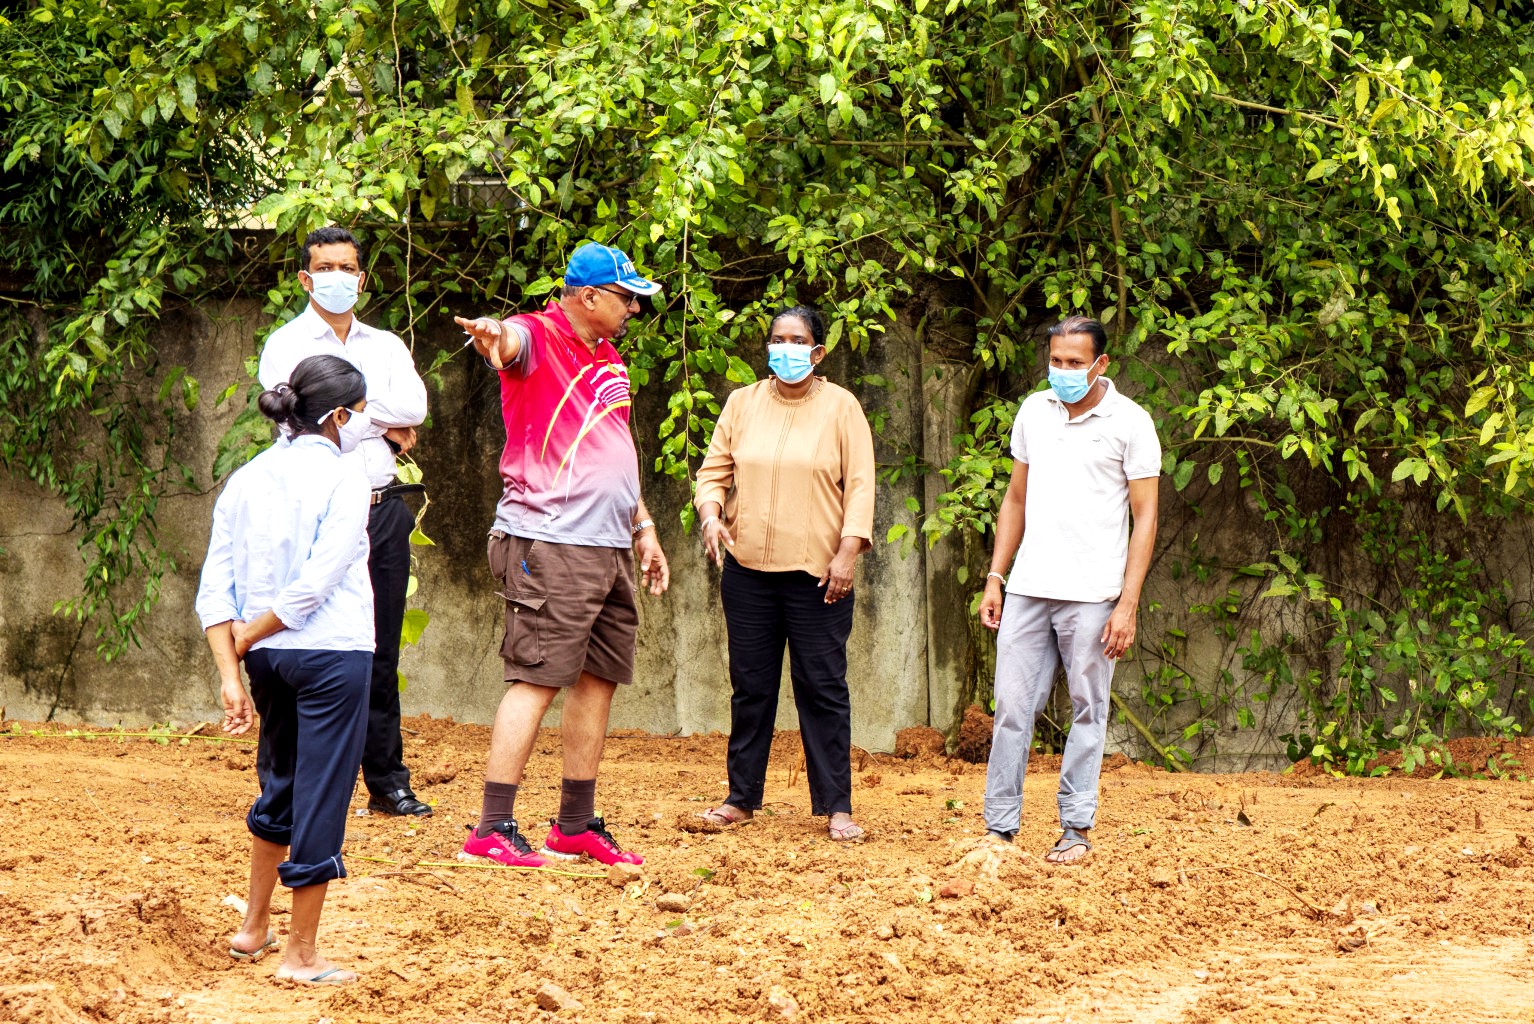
(1070, 386)
(335, 291)
(789, 361)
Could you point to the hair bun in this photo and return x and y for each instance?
(279, 404)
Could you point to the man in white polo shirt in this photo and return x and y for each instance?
(331, 272)
(1085, 462)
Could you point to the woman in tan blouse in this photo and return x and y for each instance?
(785, 504)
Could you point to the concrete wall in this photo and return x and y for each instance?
(682, 682)
(916, 654)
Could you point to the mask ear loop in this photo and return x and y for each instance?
(321, 421)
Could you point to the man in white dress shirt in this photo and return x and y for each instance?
(332, 275)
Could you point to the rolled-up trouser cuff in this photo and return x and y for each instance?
(297, 876)
(264, 829)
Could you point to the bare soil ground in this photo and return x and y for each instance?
(1399, 899)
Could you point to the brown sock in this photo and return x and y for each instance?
(577, 804)
(499, 801)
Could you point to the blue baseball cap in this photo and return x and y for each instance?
(597, 264)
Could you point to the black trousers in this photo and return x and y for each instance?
(383, 752)
(763, 611)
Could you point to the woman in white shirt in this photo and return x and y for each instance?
(285, 588)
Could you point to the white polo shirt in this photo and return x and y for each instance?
(1076, 520)
(396, 395)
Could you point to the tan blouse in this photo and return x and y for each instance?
(793, 477)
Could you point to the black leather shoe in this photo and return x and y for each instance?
(399, 802)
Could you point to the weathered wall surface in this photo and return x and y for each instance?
(913, 654)
(682, 679)
(47, 663)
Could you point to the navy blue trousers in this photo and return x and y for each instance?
(313, 707)
(383, 753)
(762, 612)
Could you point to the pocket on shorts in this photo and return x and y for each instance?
(496, 555)
(511, 563)
(524, 630)
(524, 589)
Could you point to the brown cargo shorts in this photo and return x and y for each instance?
(569, 609)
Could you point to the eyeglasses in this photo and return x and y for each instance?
(629, 298)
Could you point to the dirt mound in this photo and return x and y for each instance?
(434, 776)
(974, 743)
(1472, 757)
(920, 741)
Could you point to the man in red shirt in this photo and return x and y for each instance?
(567, 529)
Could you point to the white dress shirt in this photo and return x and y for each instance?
(290, 535)
(396, 393)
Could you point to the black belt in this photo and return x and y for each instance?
(381, 494)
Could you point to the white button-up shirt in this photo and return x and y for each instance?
(396, 393)
(1076, 517)
(290, 535)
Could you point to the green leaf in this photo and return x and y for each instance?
(1405, 468)
(1182, 474)
(414, 625)
(828, 88)
(186, 94)
(1479, 399)
(446, 12)
(834, 334)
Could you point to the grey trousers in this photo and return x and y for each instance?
(1036, 636)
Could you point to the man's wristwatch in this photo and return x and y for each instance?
(642, 525)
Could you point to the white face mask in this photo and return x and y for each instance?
(352, 431)
(335, 291)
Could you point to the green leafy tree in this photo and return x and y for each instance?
(1306, 225)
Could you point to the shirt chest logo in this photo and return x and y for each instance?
(610, 386)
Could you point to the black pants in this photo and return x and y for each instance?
(383, 753)
(762, 611)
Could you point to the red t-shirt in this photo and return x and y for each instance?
(570, 469)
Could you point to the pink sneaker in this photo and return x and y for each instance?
(596, 842)
(504, 845)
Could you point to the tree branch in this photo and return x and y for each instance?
(1249, 105)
